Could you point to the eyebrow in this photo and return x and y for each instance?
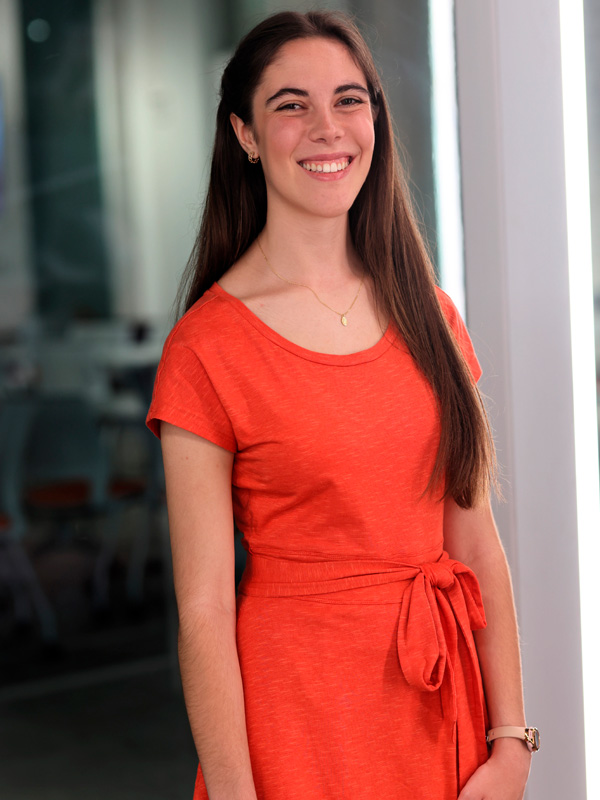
(346, 87)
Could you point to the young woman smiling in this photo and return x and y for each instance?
(321, 390)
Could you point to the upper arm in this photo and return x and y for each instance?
(198, 482)
(470, 534)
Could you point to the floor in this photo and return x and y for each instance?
(99, 714)
(120, 736)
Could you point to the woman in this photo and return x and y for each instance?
(320, 373)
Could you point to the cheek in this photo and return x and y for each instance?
(366, 136)
(281, 136)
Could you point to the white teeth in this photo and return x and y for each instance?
(325, 166)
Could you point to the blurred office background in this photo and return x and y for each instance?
(106, 124)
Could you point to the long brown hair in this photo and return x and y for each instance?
(385, 234)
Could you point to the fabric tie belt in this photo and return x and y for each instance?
(441, 599)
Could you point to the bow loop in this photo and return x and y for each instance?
(422, 650)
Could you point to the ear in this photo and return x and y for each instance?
(244, 133)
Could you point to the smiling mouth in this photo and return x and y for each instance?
(337, 165)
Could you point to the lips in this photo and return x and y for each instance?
(326, 166)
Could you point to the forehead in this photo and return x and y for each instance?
(316, 62)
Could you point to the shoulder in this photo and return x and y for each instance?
(210, 329)
(207, 317)
(448, 307)
(192, 386)
(209, 338)
(452, 314)
(459, 329)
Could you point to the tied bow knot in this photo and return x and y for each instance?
(439, 574)
(441, 601)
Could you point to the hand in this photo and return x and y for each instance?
(504, 774)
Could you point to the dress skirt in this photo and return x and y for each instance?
(361, 679)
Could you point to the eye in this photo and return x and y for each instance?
(351, 101)
(289, 107)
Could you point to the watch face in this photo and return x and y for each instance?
(533, 736)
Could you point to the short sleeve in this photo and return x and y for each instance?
(460, 332)
(184, 395)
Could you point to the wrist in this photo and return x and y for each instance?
(516, 747)
(530, 736)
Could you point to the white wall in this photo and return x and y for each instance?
(511, 127)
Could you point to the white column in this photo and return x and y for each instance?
(514, 204)
(16, 286)
(150, 82)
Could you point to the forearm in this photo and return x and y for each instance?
(500, 658)
(214, 699)
(471, 536)
(498, 643)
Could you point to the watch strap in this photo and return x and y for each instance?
(531, 736)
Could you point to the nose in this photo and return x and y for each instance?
(325, 126)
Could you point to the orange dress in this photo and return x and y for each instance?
(354, 627)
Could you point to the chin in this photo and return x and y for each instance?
(333, 209)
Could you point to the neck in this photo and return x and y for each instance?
(315, 252)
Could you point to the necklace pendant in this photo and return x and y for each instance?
(344, 320)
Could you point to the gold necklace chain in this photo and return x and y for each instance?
(342, 316)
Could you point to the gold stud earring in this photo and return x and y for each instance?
(253, 158)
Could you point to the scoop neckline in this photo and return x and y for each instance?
(345, 359)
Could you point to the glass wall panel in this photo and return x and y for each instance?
(106, 125)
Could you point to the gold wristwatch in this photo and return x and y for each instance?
(531, 736)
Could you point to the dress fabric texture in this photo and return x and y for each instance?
(354, 627)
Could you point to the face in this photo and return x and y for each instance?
(312, 128)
